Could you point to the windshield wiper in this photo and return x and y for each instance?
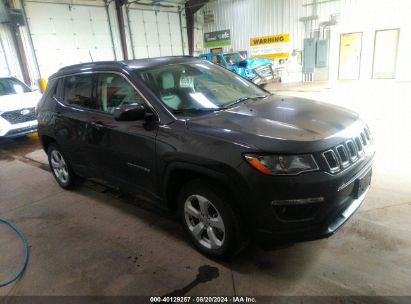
(199, 110)
(242, 99)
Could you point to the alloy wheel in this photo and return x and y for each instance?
(204, 222)
(59, 166)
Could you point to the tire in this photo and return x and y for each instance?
(210, 223)
(60, 167)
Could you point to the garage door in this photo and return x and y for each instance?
(68, 34)
(155, 33)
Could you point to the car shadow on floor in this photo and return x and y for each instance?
(12, 147)
(283, 260)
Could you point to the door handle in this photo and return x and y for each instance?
(97, 125)
(58, 114)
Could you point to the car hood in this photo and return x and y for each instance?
(279, 123)
(253, 63)
(19, 101)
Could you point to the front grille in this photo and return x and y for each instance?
(19, 116)
(21, 131)
(332, 161)
(351, 149)
(264, 71)
(359, 145)
(345, 154)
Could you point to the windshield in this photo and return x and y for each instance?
(233, 58)
(197, 86)
(10, 86)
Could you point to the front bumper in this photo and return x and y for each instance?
(8, 130)
(279, 223)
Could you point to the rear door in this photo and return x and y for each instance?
(73, 126)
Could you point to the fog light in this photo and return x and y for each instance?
(310, 200)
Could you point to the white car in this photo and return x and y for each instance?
(17, 108)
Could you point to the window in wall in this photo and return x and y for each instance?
(114, 90)
(385, 53)
(78, 91)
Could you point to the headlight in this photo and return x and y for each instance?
(282, 164)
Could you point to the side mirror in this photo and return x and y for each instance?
(242, 64)
(129, 112)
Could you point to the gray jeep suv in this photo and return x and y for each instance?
(237, 163)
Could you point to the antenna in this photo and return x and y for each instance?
(91, 57)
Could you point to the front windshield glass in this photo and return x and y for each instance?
(197, 86)
(10, 86)
(232, 58)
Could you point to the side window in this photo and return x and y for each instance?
(114, 90)
(58, 90)
(216, 59)
(51, 88)
(78, 91)
(12, 86)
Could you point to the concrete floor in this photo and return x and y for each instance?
(95, 241)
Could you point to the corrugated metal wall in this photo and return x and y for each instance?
(247, 19)
(252, 18)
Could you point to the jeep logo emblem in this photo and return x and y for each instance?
(25, 112)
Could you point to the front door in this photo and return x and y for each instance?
(127, 153)
(350, 56)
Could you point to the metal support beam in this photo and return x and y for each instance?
(19, 44)
(130, 33)
(121, 27)
(107, 7)
(191, 7)
(190, 29)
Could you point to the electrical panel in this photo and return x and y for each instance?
(309, 55)
(322, 54)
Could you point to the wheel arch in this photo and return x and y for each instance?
(179, 173)
(46, 141)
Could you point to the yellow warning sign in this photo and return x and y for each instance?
(274, 46)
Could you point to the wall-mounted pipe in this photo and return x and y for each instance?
(181, 30)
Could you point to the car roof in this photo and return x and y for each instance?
(135, 64)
